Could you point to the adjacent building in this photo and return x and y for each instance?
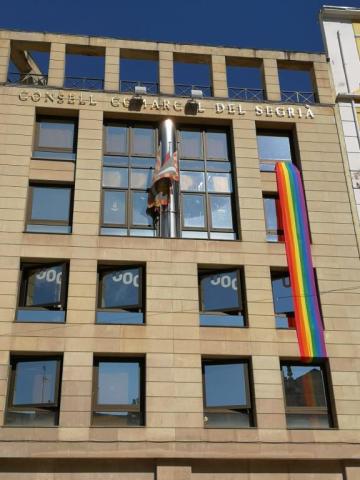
(160, 343)
(341, 35)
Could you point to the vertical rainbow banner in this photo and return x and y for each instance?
(297, 242)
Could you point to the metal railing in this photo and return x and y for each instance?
(185, 90)
(250, 94)
(84, 83)
(18, 78)
(128, 86)
(298, 97)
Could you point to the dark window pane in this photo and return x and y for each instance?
(50, 203)
(32, 418)
(115, 177)
(192, 181)
(59, 135)
(194, 211)
(121, 288)
(118, 383)
(116, 139)
(142, 162)
(115, 161)
(274, 147)
(282, 293)
(44, 287)
(304, 386)
(221, 212)
(141, 178)
(219, 182)
(218, 166)
(219, 291)
(35, 382)
(114, 207)
(139, 206)
(143, 141)
(217, 145)
(191, 145)
(225, 385)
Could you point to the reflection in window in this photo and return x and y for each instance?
(119, 392)
(55, 138)
(221, 298)
(227, 398)
(120, 295)
(273, 219)
(50, 209)
(306, 396)
(33, 398)
(283, 299)
(128, 163)
(43, 292)
(273, 147)
(206, 185)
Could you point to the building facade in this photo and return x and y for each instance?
(341, 34)
(138, 346)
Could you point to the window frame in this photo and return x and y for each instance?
(206, 194)
(103, 269)
(241, 296)
(249, 406)
(328, 411)
(128, 225)
(279, 232)
(54, 119)
(96, 407)
(275, 274)
(53, 407)
(289, 133)
(47, 222)
(23, 285)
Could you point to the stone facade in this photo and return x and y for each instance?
(174, 445)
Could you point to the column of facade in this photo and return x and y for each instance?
(57, 64)
(219, 79)
(166, 72)
(112, 69)
(271, 79)
(322, 83)
(4, 59)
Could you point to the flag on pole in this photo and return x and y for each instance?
(164, 174)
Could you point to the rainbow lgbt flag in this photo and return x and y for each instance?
(297, 242)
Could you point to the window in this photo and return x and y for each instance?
(55, 138)
(120, 295)
(49, 208)
(43, 292)
(283, 299)
(34, 391)
(306, 395)
(119, 392)
(207, 199)
(227, 397)
(273, 219)
(129, 160)
(221, 298)
(273, 147)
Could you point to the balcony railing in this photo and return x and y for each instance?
(128, 86)
(18, 78)
(185, 90)
(298, 97)
(250, 94)
(84, 83)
